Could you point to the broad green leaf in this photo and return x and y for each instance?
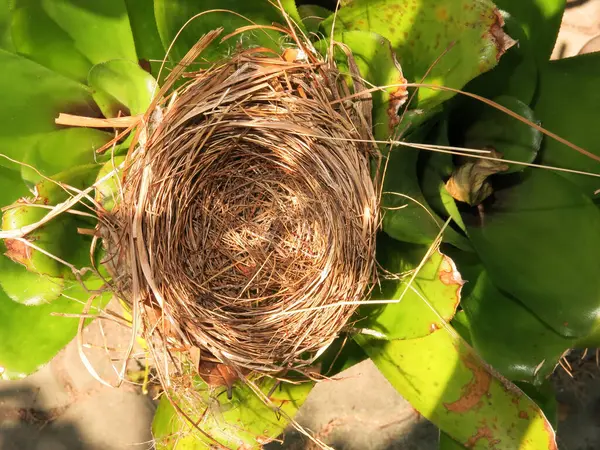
(437, 283)
(32, 97)
(446, 382)
(25, 287)
(148, 45)
(61, 150)
(462, 326)
(11, 186)
(172, 16)
(121, 88)
(312, 16)
(244, 422)
(545, 396)
(434, 191)
(591, 340)
(406, 214)
(70, 36)
(450, 41)
(59, 237)
(447, 443)
(567, 104)
(377, 64)
(538, 241)
(516, 74)
(30, 336)
(508, 336)
(540, 20)
(496, 130)
(5, 35)
(437, 167)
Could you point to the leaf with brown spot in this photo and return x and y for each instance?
(437, 282)
(473, 392)
(445, 380)
(442, 52)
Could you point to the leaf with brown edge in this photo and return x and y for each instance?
(448, 383)
(407, 314)
(437, 42)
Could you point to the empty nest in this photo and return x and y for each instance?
(249, 212)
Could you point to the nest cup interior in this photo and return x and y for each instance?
(254, 212)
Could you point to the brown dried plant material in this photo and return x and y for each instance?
(249, 217)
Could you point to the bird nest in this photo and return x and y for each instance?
(249, 212)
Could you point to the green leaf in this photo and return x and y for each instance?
(461, 325)
(447, 443)
(242, 422)
(538, 241)
(59, 237)
(437, 196)
(5, 18)
(438, 167)
(30, 336)
(437, 282)
(406, 215)
(446, 382)
(496, 130)
(508, 336)
(567, 105)
(61, 150)
(70, 36)
(377, 64)
(312, 16)
(32, 97)
(450, 41)
(11, 186)
(172, 15)
(545, 396)
(540, 20)
(121, 86)
(108, 193)
(590, 340)
(148, 45)
(516, 74)
(28, 288)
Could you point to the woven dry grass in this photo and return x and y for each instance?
(249, 212)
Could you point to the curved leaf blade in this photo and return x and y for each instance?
(5, 35)
(567, 105)
(172, 15)
(30, 336)
(69, 36)
(121, 87)
(540, 20)
(32, 97)
(446, 382)
(442, 42)
(148, 45)
(61, 150)
(509, 337)
(496, 130)
(538, 241)
(437, 282)
(242, 422)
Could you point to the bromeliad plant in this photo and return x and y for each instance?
(191, 133)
